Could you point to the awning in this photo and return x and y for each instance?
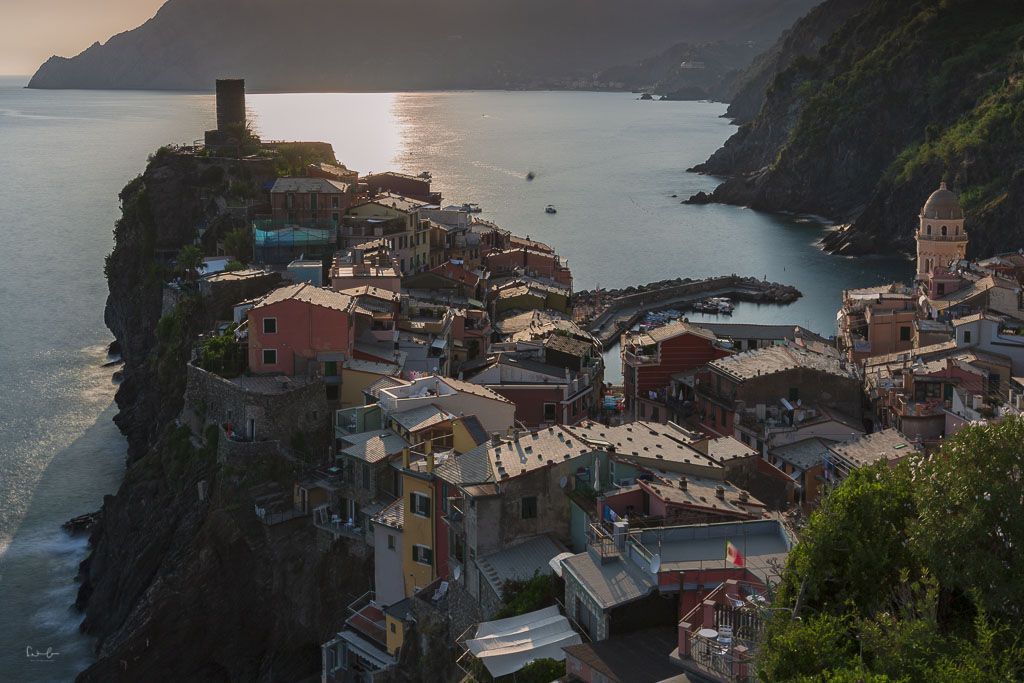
(507, 645)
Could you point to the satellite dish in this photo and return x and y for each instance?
(562, 482)
(456, 573)
(655, 564)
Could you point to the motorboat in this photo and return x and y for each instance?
(550, 209)
(471, 208)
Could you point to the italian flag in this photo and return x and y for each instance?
(733, 555)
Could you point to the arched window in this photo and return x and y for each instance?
(956, 230)
(943, 230)
(929, 229)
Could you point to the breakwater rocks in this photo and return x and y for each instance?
(608, 313)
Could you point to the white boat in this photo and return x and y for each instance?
(721, 305)
(550, 209)
(471, 208)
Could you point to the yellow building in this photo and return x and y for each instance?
(395, 630)
(396, 219)
(419, 538)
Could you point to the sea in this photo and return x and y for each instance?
(613, 166)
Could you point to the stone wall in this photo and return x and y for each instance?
(281, 417)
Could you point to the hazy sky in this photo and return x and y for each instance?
(32, 30)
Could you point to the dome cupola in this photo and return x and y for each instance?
(943, 205)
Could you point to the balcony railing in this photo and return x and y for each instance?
(637, 359)
(962, 237)
(602, 543)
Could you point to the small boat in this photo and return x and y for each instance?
(426, 175)
(550, 209)
(719, 305)
(471, 208)
(531, 175)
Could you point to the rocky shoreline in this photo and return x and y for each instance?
(182, 582)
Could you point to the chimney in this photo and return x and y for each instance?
(495, 439)
(682, 483)
(405, 458)
(720, 492)
(744, 496)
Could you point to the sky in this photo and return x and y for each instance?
(33, 30)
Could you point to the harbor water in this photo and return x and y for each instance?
(613, 166)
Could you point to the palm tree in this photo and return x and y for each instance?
(190, 258)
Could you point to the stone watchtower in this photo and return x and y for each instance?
(231, 117)
(941, 237)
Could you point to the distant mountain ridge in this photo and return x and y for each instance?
(859, 120)
(310, 45)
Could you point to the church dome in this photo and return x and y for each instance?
(943, 205)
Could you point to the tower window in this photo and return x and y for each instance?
(929, 229)
(943, 230)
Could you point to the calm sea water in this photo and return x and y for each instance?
(608, 162)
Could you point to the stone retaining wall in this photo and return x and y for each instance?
(278, 417)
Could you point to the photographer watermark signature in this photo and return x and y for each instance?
(40, 655)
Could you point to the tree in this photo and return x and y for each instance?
(854, 543)
(910, 573)
(238, 243)
(190, 258)
(540, 671)
(970, 530)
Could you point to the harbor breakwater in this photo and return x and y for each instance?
(608, 313)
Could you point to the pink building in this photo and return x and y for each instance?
(301, 330)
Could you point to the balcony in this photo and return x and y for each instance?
(640, 358)
(925, 237)
(332, 523)
(908, 407)
(601, 544)
(709, 392)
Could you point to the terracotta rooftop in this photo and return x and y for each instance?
(310, 294)
(686, 490)
(670, 331)
(647, 440)
(372, 292)
(886, 445)
(572, 346)
(525, 453)
(776, 359)
(420, 418)
(393, 515)
(373, 446)
(325, 185)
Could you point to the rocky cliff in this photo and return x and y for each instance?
(316, 45)
(897, 98)
(183, 582)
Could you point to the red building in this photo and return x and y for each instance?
(649, 359)
(301, 330)
(401, 184)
